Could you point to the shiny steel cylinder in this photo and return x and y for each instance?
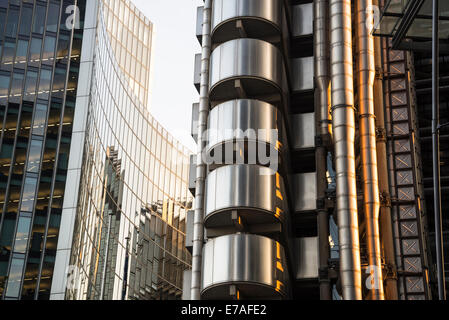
(198, 224)
(367, 127)
(322, 59)
(343, 124)
(323, 129)
(256, 263)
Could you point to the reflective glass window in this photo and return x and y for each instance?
(53, 17)
(9, 49)
(15, 278)
(63, 46)
(16, 85)
(30, 85)
(13, 23)
(29, 194)
(35, 49)
(49, 49)
(22, 235)
(44, 84)
(25, 21)
(34, 156)
(4, 85)
(40, 119)
(2, 21)
(21, 53)
(39, 19)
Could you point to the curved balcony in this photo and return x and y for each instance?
(260, 19)
(255, 265)
(250, 125)
(257, 64)
(255, 192)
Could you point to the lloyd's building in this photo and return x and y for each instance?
(343, 212)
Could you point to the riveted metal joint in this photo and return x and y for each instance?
(381, 134)
(385, 199)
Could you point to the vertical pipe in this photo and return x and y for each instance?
(343, 125)
(386, 228)
(436, 150)
(323, 125)
(198, 225)
(367, 128)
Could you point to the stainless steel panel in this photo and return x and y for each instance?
(302, 73)
(263, 17)
(192, 174)
(186, 284)
(194, 125)
(251, 189)
(244, 118)
(197, 72)
(199, 23)
(255, 264)
(306, 250)
(302, 21)
(253, 59)
(303, 130)
(189, 230)
(304, 191)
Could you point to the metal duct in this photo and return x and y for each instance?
(322, 109)
(367, 127)
(198, 224)
(343, 124)
(322, 76)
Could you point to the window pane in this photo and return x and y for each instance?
(35, 50)
(22, 235)
(4, 86)
(53, 15)
(2, 21)
(21, 53)
(16, 86)
(44, 84)
(49, 49)
(25, 21)
(8, 52)
(15, 278)
(39, 19)
(40, 120)
(13, 23)
(30, 85)
(34, 156)
(29, 194)
(63, 46)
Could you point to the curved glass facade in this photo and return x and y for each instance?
(129, 232)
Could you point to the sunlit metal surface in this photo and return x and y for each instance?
(256, 63)
(306, 250)
(304, 192)
(256, 192)
(256, 265)
(254, 120)
(259, 18)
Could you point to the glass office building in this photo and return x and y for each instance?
(93, 191)
(39, 68)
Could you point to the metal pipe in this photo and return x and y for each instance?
(322, 72)
(343, 125)
(198, 223)
(323, 125)
(436, 150)
(367, 127)
(386, 227)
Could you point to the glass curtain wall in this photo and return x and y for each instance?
(39, 60)
(129, 239)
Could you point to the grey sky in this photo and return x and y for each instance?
(174, 47)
